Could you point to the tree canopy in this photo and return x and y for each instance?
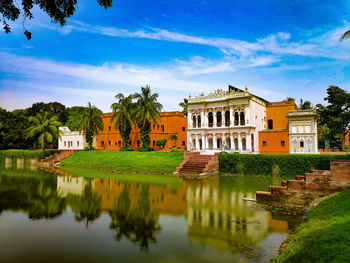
(58, 11)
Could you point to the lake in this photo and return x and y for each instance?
(61, 217)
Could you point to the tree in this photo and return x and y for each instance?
(90, 123)
(289, 99)
(173, 137)
(123, 114)
(336, 115)
(148, 109)
(58, 11)
(43, 128)
(345, 35)
(53, 108)
(74, 116)
(305, 105)
(161, 143)
(184, 105)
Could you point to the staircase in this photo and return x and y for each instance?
(56, 157)
(196, 164)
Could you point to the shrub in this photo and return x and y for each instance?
(161, 143)
(288, 164)
(26, 154)
(146, 149)
(126, 149)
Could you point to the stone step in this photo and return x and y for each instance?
(300, 177)
(277, 189)
(295, 184)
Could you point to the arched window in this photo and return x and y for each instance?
(236, 144)
(227, 118)
(228, 143)
(200, 144)
(194, 143)
(199, 124)
(236, 118)
(194, 121)
(210, 119)
(210, 143)
(244, 144)
(219, 143)
(242, 118)
(218, 119)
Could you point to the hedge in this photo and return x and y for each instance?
(26, 154)
(287, 164)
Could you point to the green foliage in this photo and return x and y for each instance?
(161, 143)
(126, 149)
(173, 137)
(128, 162)
(146, 149)
(26, 154)
(288, 164)
(184, 106)
(336, 115)
(324, 236)
(74, 117)
(43, 128)
(305, 105)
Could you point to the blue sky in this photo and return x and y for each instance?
(277, 48)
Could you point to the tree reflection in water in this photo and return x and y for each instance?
(87, 207)
(136, 223)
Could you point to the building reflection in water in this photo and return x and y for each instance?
(216, 214)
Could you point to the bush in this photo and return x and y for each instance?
(288, 164)
(126, 149)
(26, 154)
(146, 149)
(161, 143)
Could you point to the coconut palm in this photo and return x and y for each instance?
(44, 128)
(148, 109)
(345, 35)
(90, 123)
(123, 114)
(183, 104)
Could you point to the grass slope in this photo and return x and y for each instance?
(148, 162)
(325, 234)
(126, 178)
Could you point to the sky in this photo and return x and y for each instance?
(277, 48)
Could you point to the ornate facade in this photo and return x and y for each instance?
(226, 121)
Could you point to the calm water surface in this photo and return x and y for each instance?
(46, 217)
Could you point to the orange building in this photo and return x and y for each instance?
(275, 139)
(170, 123)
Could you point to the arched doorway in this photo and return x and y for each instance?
(236, 144)
(210, 144)
(219, 143)
(228, 143)
(210, 119)
(200, 144)
(244, 144)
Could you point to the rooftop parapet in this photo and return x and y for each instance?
(303, 113)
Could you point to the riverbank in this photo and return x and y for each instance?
(26, 154)
(164, 163)
(324, 235)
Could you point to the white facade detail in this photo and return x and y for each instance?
(225, 121)
(303, 131)
(71, 140)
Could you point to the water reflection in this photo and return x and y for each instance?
(215, 214)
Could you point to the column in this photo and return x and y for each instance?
(232, 142)
(203, 118)
(206, 143)
(247, 141)
(239, 118)
(231, 117)
(247, 116)
(214, 142)
(215, 119)
(239, 142)
(197, 143)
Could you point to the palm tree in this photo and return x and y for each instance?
(173, 137)
(148, 109)
(345, 35)
(90, 123)
(183, 104)
(123, 113)
(44, 128)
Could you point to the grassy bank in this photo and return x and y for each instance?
(324, 236)
(286, 164)
(26, 154)
(134, 162)
(125, 178)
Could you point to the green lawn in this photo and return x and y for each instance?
(141, 178)
(324, 236)
(132, 162)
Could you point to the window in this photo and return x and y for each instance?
(138, 143)
(109, 128)
(65, 143)
(301, 144)
(183, 129)
(154, 126)
(218, 119)
(283, 144)
(162, 128)
(116, 144)
(77, 143)
(210, 119)
(120, 143)
(270, 124)
(193, 121)
(242, 118)
(109, 142)
(157, 127)
(227, 118)
(154, 143)
(102, 143)
(183, 143)
(264, 143)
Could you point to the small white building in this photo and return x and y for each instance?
(226, 121)
(303, 131)
(71, 140)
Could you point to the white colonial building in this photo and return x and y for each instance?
(226, 121)
(303, 131)
(71, 140)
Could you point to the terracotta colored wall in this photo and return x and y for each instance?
(277, 111)
(173, 123)
(273, 142)
(347, 139)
